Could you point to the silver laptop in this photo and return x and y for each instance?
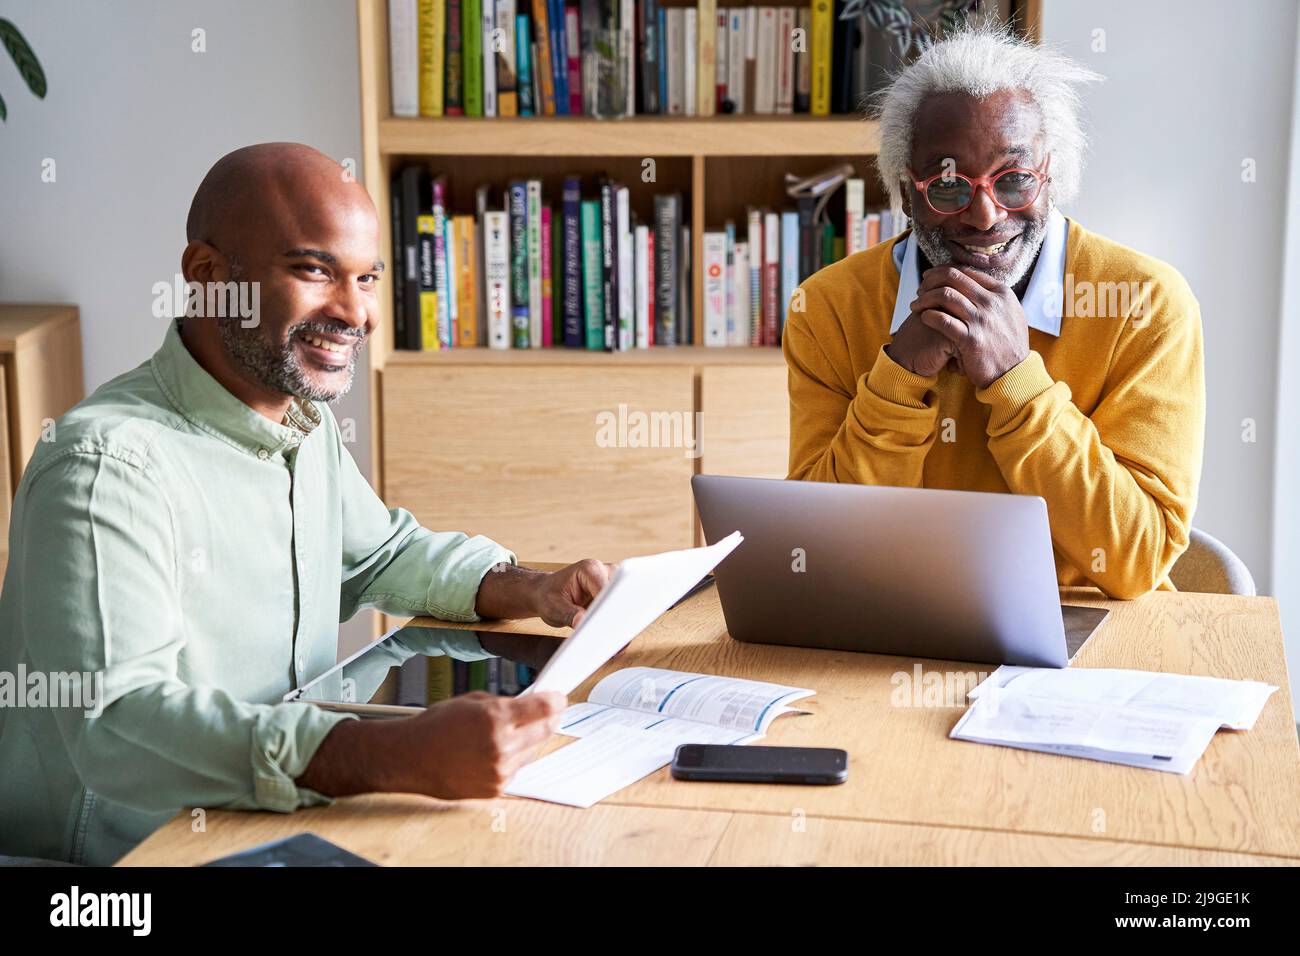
(953, 575)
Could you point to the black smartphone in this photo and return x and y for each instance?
(820, 765)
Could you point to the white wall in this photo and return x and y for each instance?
(1286, 536)
(133, 119)
(1193, 88)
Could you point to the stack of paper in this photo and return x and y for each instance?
(1137, 718)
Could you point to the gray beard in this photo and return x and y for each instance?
(930, 241)
(277, 367)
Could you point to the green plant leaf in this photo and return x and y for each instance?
(28, 66)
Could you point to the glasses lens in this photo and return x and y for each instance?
(949, 194)
(1015, 189)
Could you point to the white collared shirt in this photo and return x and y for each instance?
(1043, 295)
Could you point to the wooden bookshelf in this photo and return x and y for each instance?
(500, 442)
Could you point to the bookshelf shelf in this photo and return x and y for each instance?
(682, 355)
(797, 135)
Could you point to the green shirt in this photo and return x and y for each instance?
(200, 557)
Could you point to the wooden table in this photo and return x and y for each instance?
(913, 797)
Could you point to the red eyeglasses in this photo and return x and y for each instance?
(1011, 190)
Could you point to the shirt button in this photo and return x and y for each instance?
(263, 454)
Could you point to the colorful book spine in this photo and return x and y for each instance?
(488, 13)
(736, 60)
(592, 276)
(403, 57)
(451, 269)
(559, 54)
(740, 281)
(427, 228)
(548, 280)
(524, 62)
(534, 239)
(789, 265)
(504, 51)
(571, 301)
(755, 238)
(626, 260)
(432, 44)
(803, 63)
(467, 286)
(496, 260)
(854, 203)
(771, 276)
(820, 49)
(441, 680)
(667, 227)
(545, 75)
(472, 67)
(715, 291)
(519, 263)
(439, 194)
(609, 263)
(642, 293)
(785, 80)
(454, 87)
(648, 45)
(706, 60)
(649, 283)
(573, 60)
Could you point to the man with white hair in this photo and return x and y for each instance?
(999, 346)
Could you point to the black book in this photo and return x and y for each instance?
(609, 263)
(399, 287)
(668, 221)
(846, 37)
(574, 326)
(647, 28)
(415, 194)
(809, 237)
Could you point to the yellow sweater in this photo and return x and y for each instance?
(1105, 422)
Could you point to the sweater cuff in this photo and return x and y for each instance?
(890, 381)
(1018, 386)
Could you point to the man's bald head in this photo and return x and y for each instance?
(296, 229)
(256, 186)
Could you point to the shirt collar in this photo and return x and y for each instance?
(1042, 299)
(206, 404)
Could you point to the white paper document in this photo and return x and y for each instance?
(634, 721)
(589, 770)
(695, 708)
(1137, 718)
(640, 590)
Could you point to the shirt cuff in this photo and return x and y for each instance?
(285, 739)
(453, 593)
(1018, 386)
(890, 381)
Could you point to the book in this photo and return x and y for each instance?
(735, 101)
(504, 52)
(715, 293)
(675, 65)
(643, 291)
(854, 201)
(571, 277)
(488, 52)
(534, 256)
(432, 44)
(519, 289)
(467, 266)
(448, 334)
(442, 331)
(548, 280)
(785, 23)
(427, 229)
(720, 44)
(415, 190)
(789, 266)
(480, 271)
(685, 325)
(740, 280)
(453, 85)
(803, 62)
(471, 33)
(667, 226)
(820, 50)
(706, 60)
(609, 263)
(648, 44)
(627, 56)
(559, 55)
(573, 64)
(771, 277)
(754, 222)
(399, 269)
(690, 72)
(751, 59)
(524, 64)
(592, 276)
(542, 61)
(403, 57)
(496, 258)
(766, 62)
(626, 258)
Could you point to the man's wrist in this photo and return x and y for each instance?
(508, 591)
(356, 756)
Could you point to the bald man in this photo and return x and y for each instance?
(183, 551)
